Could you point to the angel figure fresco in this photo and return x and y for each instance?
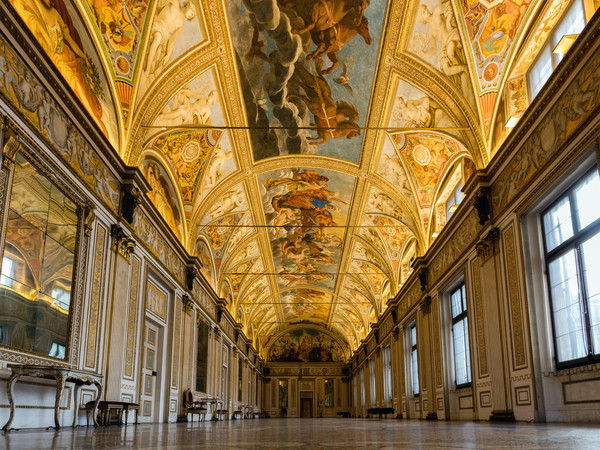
(443, 34)
(51, 24)
(166, 29)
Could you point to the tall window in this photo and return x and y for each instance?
(414, 363)
(362, 386)
(202, 357)
(460, 336)
(329, 390)
(225, 376)
(240, 376)
(572, 23)
(454, 200)
(387, 373)
(372, 386)
(355, 390)
(571, 228)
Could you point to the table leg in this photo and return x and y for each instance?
(9, 391)
(95, 410)
(76, 413)
(60, 386)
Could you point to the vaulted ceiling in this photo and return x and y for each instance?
(303, 150)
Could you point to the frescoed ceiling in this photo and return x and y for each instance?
(304, 151)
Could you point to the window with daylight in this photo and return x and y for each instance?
(387, 373)
(240, 378)
(571, 231)
(372, 387)
(414, 364)
(549, 56)
(329, 390)
(460, 336)
(362, 386)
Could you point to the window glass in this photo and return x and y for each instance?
(573, 259)
(414, 364)
(460, 336)
(588, 204)
(558, 224)
(590, 251)
(540, 71)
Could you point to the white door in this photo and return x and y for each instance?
(150, 369)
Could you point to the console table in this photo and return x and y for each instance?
(59, 373)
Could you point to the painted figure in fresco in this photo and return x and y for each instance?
(323, 14)
(166, 29)
(332, 40)
(420, 113)
(443, 31)
(185, 111)
(160, 197)
(51, 24)
(332, 119)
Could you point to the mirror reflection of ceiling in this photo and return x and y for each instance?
(305, 151)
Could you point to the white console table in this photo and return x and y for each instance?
(61, 375)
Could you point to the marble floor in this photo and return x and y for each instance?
(312, 434)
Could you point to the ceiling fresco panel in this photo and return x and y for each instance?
(306, 211)
(120, 24)
(435, 39)
(306, 64)
(176, 27)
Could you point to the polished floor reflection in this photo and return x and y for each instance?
(313, 434)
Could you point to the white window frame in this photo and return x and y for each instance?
(533, 246)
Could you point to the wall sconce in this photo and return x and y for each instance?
(564, 44)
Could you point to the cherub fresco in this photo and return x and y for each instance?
(306, 101)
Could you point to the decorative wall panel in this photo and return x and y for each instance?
(132, 318)
(479, 322)
(518, 340)
(95, 291)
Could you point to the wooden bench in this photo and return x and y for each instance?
(380, 411)
(106, 409)
(343, 413)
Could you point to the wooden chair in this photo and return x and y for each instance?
(192, 406)
(221, 410)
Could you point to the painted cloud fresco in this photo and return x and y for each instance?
(303, 207)
(302, 63)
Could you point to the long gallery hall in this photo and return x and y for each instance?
(299, 224)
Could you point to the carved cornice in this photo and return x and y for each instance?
(122, 244)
